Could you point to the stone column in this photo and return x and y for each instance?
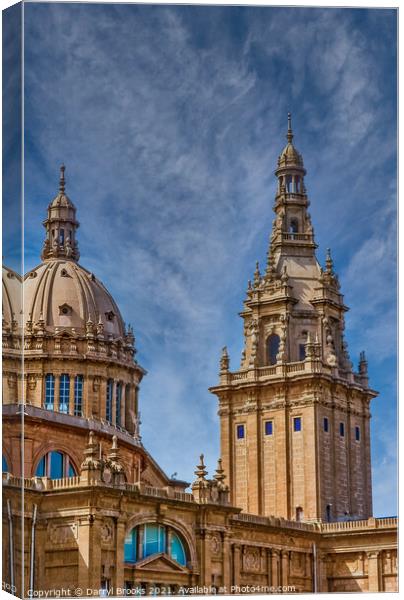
(373, 571)
(71, 394)
(113, 411)
(56, 397)
(226, 562)
(309, 571)
(123, 404)
(101, 395)
(275, 567)
(40, 542)
(284, 567)
(119, 554)
(141, 537)
(236, 564)
(269, 567)
(89, 557)
(322, 579)
(207, 576)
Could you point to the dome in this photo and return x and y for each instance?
(11, 297)
(290, 156)
(64, 295)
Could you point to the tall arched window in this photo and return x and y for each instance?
(328, 513)
(64, 393)
(108, 408)
(78, 395)
(118, 398)
(55, 465)
(273, 348)
(50, 392)
(151, 538)
(299, 514)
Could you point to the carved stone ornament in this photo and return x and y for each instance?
(215, 544)
(96, 384)
(252, 560)
(107, 532)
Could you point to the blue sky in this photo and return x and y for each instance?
(170, 121)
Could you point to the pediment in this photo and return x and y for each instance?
(160, 562)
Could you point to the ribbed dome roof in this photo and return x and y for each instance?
(290, 156)
(63, 294)
(12, 295)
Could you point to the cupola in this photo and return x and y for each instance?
(61, 226)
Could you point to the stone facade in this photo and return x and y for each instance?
(289, 505)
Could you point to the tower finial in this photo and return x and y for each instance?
(62, 179)
(289, 135)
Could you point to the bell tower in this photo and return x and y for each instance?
(294, 417)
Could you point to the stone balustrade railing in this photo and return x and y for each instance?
(289, 370)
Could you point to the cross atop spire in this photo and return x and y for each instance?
(289, 135)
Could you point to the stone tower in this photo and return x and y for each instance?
(295, 438)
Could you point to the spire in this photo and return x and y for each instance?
(329, 265)
(61, 226)
(289, 135)
(62, 179)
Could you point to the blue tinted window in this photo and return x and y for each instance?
(49, 391)
(78, 395)
(40, 470)
(325, 424)
(357, 434)
(108, 410)
(4, 465)
(177, 551)
(71, 470)
(302, 352)
(273, 348)
(118, 403)
(341, 429)
(240, 432)
(297, 424)
(56, 465)
(269, 428)
(130, 546)
(64, 393)
(153, 540)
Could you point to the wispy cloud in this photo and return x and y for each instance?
(170, 120)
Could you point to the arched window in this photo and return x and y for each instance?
(4, 464)
(108, 408)
(297, 183)
(177, 551)
(118, 398)
(151, 538)
(64, 393)
(50, 392)
(273, 348)
(289, 184)
(55, 465)
(294, 226)
(328, 513)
